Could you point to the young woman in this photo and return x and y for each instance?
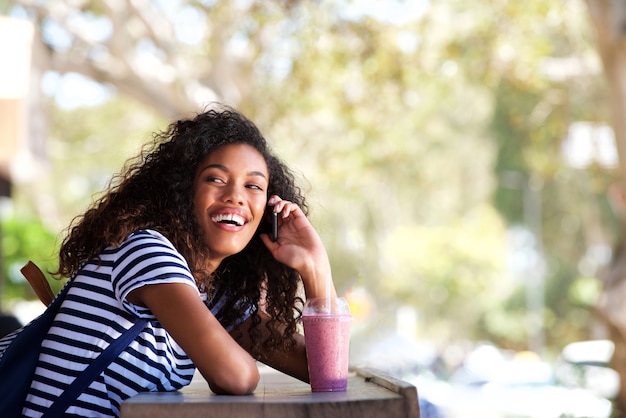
(181, 238)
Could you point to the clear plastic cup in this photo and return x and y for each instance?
(327, 337)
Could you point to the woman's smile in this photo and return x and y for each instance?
(229, 219)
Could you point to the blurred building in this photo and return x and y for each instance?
(21, 143)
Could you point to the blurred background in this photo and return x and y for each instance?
(464, 160)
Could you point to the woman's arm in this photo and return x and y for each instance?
(225, 365)
(293, 362)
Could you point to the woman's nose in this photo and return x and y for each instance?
(233, 194)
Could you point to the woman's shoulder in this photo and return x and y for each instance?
(148, 235)
(146, 257)
(145, 239)
(146, 244)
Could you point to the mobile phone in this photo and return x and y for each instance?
(274, 226)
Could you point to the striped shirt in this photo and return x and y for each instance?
(94, 313)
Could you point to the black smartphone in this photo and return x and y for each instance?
(274, 226)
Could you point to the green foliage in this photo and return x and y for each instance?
(5, 6)
(571, 200)
(24, 240)
(444, 268)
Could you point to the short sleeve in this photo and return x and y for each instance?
(145, 258)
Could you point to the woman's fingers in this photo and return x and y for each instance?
(282, 207)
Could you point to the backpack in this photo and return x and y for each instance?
(19, 360)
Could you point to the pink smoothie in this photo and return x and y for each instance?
(327, 347)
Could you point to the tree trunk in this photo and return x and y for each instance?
(608, 17)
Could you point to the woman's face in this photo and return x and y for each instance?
(230, 196)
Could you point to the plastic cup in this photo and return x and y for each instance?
(327, 338)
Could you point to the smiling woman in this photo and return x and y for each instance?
(180, 238)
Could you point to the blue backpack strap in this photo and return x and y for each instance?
(92, 371)
(20, 358)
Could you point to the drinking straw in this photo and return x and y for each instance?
(329, 281)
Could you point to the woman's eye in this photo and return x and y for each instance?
(255, 186)
(211, 179)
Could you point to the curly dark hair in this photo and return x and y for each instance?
(155, 191)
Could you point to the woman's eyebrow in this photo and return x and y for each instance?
(225, 169)
(218, 166)
(257, 173)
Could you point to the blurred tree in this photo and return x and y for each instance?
(538, 61)
(347, 94)
(138, 50)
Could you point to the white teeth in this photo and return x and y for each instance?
(236, 219)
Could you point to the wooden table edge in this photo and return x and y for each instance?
(405, 389)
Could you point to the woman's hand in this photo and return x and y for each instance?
(300, 247)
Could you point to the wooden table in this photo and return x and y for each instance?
(370, 394)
